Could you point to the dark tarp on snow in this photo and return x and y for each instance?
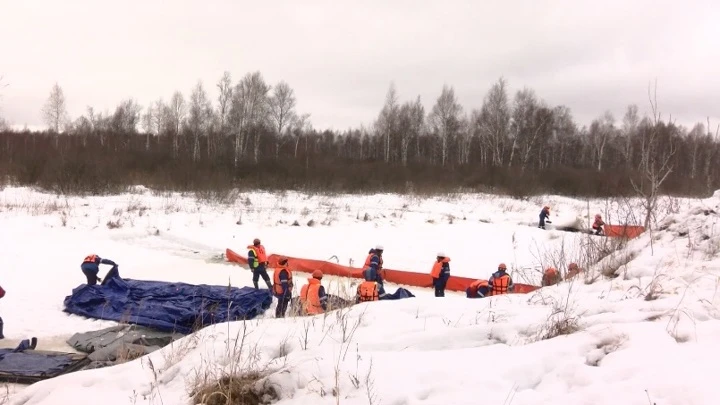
(166, 306)
(28, 366)
(120, 343)
(398, 295)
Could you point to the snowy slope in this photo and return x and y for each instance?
(653, 327)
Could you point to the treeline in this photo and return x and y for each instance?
(252, 136)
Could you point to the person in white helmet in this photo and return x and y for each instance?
(440, 273)
(373, 268)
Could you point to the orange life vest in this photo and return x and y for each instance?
(437, 267)
(598, 223)
(90, 259)
(310, 298)
(277, 283)
(259, 251)
(500, 285)
(368, 291)
(368, 259)
(475, 286)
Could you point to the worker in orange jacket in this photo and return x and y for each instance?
(500, 282)
(368, 291)
(440, 273)
(551, 276)
(313, 299)
(258, 261)
(573, 270)
(598, 225)
(478, 289)
(282, 287)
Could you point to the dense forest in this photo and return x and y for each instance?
(252, 136)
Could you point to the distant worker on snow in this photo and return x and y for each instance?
(551, 276)
(373, 268)
(598, 225)
(478, 289)
(500, 282)
(368, 291)
(2, 294)
(544, 217)
(573, 270)
(91, 267)
(282, 287)
(313, 299)
(440, 274)
(257, 260)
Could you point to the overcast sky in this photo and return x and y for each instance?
(340, 56)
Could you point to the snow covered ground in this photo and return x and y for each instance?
(647, 336)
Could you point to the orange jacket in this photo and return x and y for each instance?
(476, 285)
(368, 291)
(500, 283)
(260, 256)
(440, 268)
(310, 298)
(278, 283)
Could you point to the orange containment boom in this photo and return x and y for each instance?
(623, 231)
(391, 276)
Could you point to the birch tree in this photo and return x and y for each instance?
(493, 122)
(282, 113)
(199, 118)
(445, 120)
(55, 111)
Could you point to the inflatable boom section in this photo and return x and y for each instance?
(391, 276)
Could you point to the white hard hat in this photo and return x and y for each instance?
(441, 254)
(379, 247)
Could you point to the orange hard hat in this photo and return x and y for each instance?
(502, 266)
(547, 207)
(597, 216)
(572, 266)
(551, 270)
(317, 274)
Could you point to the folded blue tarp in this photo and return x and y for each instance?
(399, 294)
(166, 306)
(25, 366)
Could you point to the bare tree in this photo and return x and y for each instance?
(446, 119)
(176, 115)
(249, 113)
(493, 121)
(148, 126)
(282, 113)
(411, 119)
(601, 131)
(657, 150)
(199, 117)
(225, 89)
(387, 122)
(55, 110)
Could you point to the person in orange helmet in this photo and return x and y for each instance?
(440, 273)
(282, 287)
(598, 225)
(544, 217)
(551, 276)
(500, 282)
(573, 270)
(312, 295)
(258, 261)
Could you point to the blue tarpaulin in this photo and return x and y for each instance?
(399, 294)
(166, 306)
(26, 366)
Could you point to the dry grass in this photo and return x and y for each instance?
(243, 389)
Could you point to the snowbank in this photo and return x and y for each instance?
(647, 335)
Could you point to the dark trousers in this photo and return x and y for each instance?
(1, 329)
(282, 306)
(542, 223)
(258, 272)
(439, 284)
(90, 271)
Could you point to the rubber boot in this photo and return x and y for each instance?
(255, 283)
